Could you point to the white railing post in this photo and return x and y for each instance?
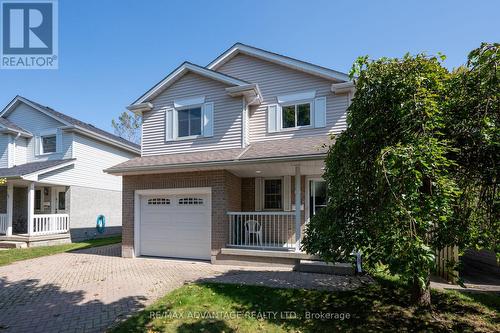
(297, 208)
(31, 207)
(270, 230)
(10, 208)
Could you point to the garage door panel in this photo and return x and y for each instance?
(175, 226)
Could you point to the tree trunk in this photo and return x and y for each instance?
(421, 296)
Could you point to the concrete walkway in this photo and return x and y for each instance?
(89, 290)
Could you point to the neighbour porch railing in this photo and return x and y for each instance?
(3, 223)
(263, 230)
(46, 224)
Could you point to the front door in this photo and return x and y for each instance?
(317, 196)
(60, 200)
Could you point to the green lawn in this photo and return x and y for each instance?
(12, 255)
(382, 306)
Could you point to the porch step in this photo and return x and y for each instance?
(12, 245)
(310, 266)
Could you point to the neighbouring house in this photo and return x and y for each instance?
(232, 158)
(53, 165)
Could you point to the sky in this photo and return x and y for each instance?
(111, 52)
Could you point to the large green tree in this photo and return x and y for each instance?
(417, 168)
(473, 127)
(388, 174)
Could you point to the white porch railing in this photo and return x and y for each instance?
(47, 224)
(3, 223)
(263, 230)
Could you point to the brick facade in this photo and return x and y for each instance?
(226, 196)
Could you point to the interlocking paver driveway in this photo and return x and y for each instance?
(89, 290)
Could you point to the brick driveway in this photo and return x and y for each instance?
(89, 290)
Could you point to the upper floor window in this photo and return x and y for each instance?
(49, 144)
(296, 115)
(296, 111)
(189, 122)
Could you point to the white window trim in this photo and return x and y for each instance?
(189, 102)
(300, 96)
(263, 194)
(307, 194)
(296, 103)
(40, 142)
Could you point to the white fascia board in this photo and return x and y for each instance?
(250, 91)
(125, 170)
(7, 130)
(326, 73)
(101, 138)
(34, 176)
(342, 88)
(140, 108)
(179, 72)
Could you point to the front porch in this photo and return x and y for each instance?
(277, 201)
(33, 212)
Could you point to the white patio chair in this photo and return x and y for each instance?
(253, 227)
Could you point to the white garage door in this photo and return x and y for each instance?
(175, 225)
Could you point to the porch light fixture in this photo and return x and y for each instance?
(258, 172)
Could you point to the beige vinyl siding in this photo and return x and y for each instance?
(227, 119)
(92, 157)
(275, 80)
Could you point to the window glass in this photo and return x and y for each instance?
(61, 200)
(38, 199)
(288, 116)
(191, 201)
(272, 194)
(296, 115)
(183, 117)
(189, 122)
(303, 114)
(49, 144)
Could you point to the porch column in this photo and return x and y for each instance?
(31, 207)
(10, 208)
(297, 208)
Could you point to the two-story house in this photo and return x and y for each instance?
(232, 158)
(55, 187)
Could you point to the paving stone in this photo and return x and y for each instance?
(89, 290)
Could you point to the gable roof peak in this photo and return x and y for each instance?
(71, 123)
(180, 71)
(293, 63)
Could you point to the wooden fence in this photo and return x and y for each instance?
(444, 259)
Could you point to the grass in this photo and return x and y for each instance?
(381, 306)
(12, 255)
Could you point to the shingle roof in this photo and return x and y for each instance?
(308, 147)
(25, 169)
(10, 125)
(87, 126)
(314, 145)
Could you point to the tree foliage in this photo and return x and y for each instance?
(128, 126)
(392, 174)
(473, 126)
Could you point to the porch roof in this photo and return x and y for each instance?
(306, 148)
(28, 169)
(7, 125)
